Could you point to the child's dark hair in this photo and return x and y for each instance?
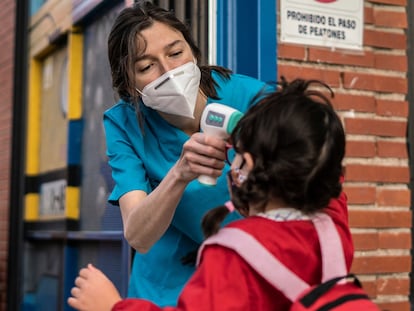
(297, 143)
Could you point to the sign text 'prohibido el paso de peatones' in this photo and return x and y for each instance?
(328, 23)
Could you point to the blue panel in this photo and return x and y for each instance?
(47, 293)
(227, 34)
(29, 302)
(125, 268)
(267, 44)
(246, 37)
(75, 137)
(70, 272)
(222, 33)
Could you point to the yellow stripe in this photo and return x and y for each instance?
(72, 202)
(33, 118)
(31, 204)
(75, 60)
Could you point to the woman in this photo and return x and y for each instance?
(155, 147)
(287, 169)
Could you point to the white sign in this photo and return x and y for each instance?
(52, 198)
(329, 23)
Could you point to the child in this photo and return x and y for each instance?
(287, 165)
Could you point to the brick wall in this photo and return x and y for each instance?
(370, 95)
(7, 14)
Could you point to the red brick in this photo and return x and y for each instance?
(331, 77)
(393, 286)
(360, 149)
(7, 12)
(381, 264)
(386, 286)
(394, 240)
(370, 287)
(362, 59)
(374, 82)
(366, 241)
(392, 108)
(376, 173)
(392, 149)
(384, 128)
(368, 15)
(391, 62)
(385, 39)
(394, 305)
(391, 2)
(394, 197)
(358, 103)
(379, 219)
(360, 194)
(7, 15)
(390, 19)
(287, 51)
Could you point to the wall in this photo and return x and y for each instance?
(370, 94)
(7, 16)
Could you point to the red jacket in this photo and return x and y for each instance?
(224, 281)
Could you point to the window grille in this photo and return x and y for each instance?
(193, 13)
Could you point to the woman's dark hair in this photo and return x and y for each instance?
(297, 142)
(122, 47)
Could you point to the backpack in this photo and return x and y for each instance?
(338, 290)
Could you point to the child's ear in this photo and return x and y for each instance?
(249, 161)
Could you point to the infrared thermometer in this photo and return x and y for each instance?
(218, 120)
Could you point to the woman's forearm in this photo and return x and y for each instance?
(146, 218)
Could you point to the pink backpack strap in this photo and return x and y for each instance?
(333, 259)
(270, 268)
(260, 259)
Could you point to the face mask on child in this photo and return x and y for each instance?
(175, 92)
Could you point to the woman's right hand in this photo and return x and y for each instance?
(201, 155)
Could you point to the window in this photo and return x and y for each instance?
(193, 13)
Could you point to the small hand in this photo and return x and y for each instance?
(93, 291)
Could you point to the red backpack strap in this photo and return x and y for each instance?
(260, 259)
(333, 258)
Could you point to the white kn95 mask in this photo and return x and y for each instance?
(175, 92)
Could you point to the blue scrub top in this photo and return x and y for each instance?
(140, 159)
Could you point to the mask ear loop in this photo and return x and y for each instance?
(240, 176)
(139, 92)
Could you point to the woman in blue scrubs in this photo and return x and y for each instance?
(155, 147)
